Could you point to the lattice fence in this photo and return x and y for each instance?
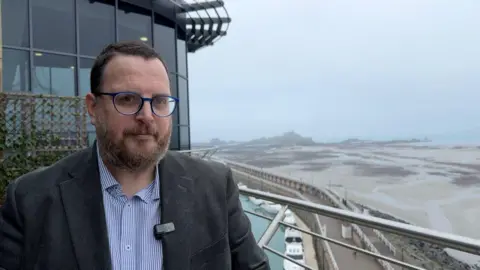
(37, 131)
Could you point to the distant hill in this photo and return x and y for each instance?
(286, 139)
(398, 141)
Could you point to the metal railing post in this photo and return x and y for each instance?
(272, 228)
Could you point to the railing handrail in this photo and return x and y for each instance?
(197, 150)
(446, 240)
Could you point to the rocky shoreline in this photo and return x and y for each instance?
(430, 254)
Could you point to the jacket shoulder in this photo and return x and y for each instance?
(49, 176)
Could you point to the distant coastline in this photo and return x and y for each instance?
(293, 138)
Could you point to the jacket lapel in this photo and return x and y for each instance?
(83, 203)
(176, 206)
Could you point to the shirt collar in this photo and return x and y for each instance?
(110, 184)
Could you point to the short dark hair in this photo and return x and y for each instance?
(133, 48)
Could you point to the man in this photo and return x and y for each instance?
(97, 209)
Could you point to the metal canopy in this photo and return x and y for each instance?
(205, 22)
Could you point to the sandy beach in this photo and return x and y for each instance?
(431, 186)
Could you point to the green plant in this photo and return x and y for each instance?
(36, 131)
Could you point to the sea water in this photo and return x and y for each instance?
(259, 225)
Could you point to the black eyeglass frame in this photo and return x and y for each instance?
(150, 100)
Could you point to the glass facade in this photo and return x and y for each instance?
(49, 46)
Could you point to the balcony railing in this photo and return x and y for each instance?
(344, 211)
(442, 239)
(204, 153)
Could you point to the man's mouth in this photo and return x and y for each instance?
(143, 136)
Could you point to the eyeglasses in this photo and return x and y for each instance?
(129, 103)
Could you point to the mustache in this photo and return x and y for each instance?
(145, 130)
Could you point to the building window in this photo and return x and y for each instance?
(83, 89)
(54, 25)
(96, 25)
(134, 23)
(164, 41)
(184, 137)
(173, 84)
(174, 92)
(174, 142)
(16, 66)
(84, 76)
(15, 23)
(183, 104)
(182, 57)
(53, 74)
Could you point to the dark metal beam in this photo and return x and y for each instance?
(202, 20)
(202, 5)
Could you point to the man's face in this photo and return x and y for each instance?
(131, 142)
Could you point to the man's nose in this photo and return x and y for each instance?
(145, 112)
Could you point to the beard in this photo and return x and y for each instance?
(131, 153)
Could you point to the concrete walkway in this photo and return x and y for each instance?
(345, 258)
(381, 247)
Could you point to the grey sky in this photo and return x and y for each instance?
(339, 69)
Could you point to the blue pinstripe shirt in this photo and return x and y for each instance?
(130, 223)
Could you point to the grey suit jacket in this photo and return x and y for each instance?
(53, 218)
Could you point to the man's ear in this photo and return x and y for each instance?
(91, 103)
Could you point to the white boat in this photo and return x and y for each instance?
(270, 207)
(289, 217)
(256, 201)
(241, 185)
(295, 252)
(293, 236)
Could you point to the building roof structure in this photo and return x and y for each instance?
(205, 21)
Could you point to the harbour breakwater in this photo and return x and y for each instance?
(415, 251)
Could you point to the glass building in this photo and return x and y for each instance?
(49, 46)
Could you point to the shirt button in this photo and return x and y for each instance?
(128, 247)
(129, 205)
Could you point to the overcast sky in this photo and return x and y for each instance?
(338, 69)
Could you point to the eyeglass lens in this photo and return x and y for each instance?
(130, 103)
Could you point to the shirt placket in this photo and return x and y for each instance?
(127, 237)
